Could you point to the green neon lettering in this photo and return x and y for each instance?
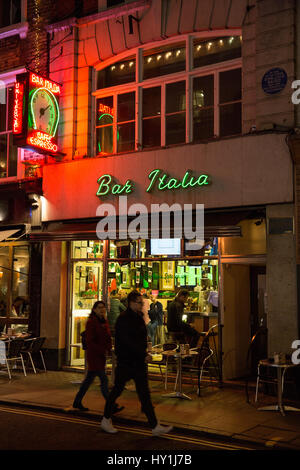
(104, 182)
(203, 179)
(152, 176)
(193, 183)
(128, 187)
(161, 182)
(185, 184)
(173, 184)
(116, 189)
(164, 182)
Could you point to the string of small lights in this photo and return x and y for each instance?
(37, 34)
(177, 54)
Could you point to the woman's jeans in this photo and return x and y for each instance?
(89, 379)
(151, 330)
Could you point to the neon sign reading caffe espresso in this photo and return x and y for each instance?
(158, 180)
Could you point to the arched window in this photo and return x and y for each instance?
(178, 92)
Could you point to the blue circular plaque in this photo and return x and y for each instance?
(274, 80)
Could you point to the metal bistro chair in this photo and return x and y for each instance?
(33, 346)
(13, 354)
(199, 364)
(164, 360)
(211, 333)
(256, 338)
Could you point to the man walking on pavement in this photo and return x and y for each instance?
(131, 352)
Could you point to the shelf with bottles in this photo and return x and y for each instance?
(85, 249)
(86, 284)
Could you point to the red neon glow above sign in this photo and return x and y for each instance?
(18, 107)
(42, 140)
(38, 81)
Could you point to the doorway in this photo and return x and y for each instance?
(258, 316)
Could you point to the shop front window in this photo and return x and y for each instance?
(4, 280)
(87, 276)
(14, 288)
(156, 268)
(160, 269)
(20, 272)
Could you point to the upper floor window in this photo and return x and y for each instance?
(166, 96)
(10, 12)
(112, 3)
(164, 60)
(8, 151)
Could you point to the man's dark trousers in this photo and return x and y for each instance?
(138, 371)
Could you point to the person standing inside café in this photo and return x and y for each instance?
(98, 342)
(156, 315)
(116, 307)
(131, 352)
(176, 326)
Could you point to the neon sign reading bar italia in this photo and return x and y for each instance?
(44, 83)
(158, 179)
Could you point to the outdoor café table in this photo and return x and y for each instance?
(179, 356)
(281, 369)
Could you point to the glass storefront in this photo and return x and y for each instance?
(154, 267)
(87, 276)
(14, 287)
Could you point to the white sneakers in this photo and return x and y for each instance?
(160, 430)
(106, 425)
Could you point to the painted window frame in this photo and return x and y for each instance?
(188, 75)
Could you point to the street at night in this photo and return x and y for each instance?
(54, 431)
(150, 226)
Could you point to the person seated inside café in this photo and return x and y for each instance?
(20, 307)
(177, 328)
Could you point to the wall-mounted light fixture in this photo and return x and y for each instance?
(33, 200)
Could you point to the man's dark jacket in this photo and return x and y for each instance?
(175, 311)
(130, 338)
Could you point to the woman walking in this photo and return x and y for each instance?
(98, 339)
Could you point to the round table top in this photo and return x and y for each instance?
(267, 362)
(173, 352)
(4, 336)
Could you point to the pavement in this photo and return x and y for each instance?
(217, 413)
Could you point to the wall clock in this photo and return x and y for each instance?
(44, 111)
